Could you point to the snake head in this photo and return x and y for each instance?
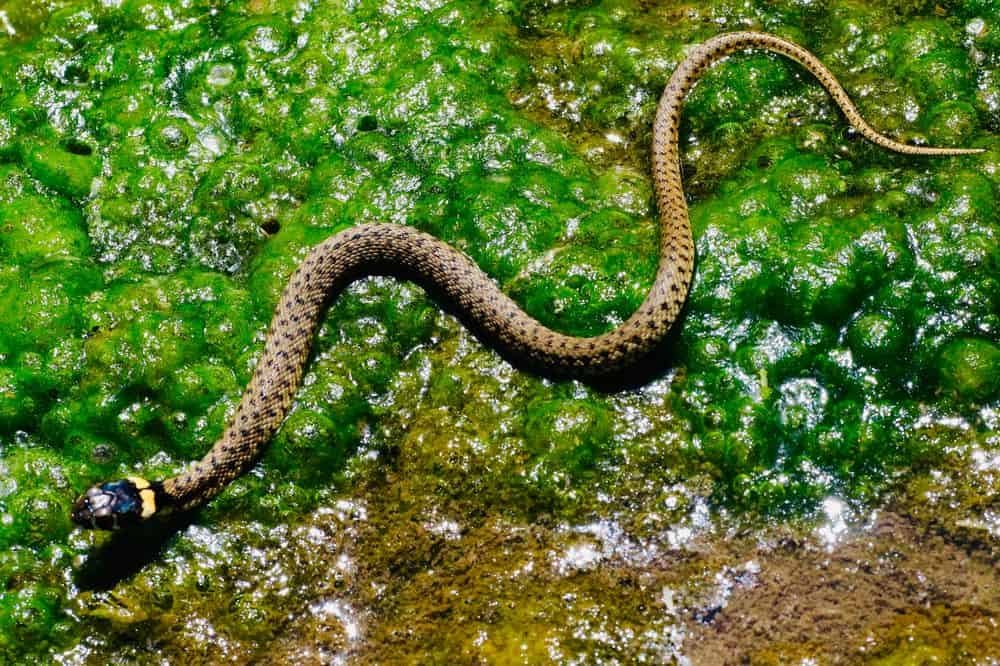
(114, 505)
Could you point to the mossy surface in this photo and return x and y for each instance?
(164, 166)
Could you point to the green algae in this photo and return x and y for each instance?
(164, 166)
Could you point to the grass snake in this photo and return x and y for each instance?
(402, 251)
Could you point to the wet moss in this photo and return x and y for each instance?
(971, 368)
(36, 230)
(165, 166)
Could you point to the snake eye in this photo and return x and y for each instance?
(109, 506)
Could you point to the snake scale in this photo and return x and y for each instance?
(402, 251)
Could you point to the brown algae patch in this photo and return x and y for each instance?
(897, 592)
(881, 587)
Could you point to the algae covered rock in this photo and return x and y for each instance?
(164, 167)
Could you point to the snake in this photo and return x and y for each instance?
(402, 251)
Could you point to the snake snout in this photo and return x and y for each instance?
(109, 506)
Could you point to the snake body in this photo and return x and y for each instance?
(402, 251)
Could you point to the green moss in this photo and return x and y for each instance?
(64, 169)
(952, 123)
(27, 618)
(164, 167)
(313, 435)
(16, 403)
(877, 339)
(940, 74)
(197, 385)
(43, 301)
(33, 228)
(570, 438)
(971, 368)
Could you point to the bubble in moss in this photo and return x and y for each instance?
(170, 136)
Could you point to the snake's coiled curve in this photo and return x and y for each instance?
(385, 248)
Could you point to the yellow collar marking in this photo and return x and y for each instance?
(146, 494)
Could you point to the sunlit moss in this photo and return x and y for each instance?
(164, 166)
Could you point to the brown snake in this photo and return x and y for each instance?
(398, 250)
